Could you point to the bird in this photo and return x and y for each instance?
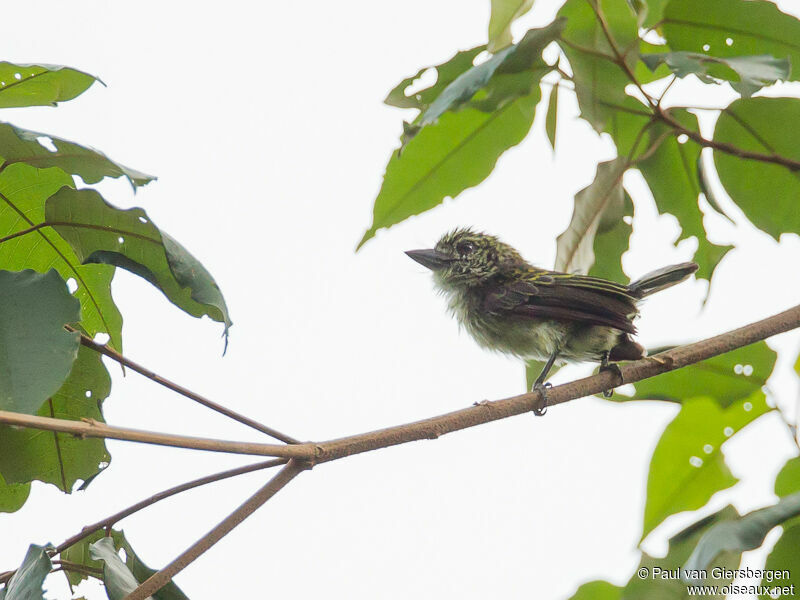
(509, 305)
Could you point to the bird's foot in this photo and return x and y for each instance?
(542, 388)
(605, 366)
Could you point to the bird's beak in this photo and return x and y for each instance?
(432, 259)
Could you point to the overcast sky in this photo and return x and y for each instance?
(265, 125)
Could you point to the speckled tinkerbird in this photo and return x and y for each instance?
(510, 306)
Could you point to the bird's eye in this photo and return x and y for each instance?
(465, 248)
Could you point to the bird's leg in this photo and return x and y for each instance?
(605, 366)
(541, 386)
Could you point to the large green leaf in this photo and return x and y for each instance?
(671, 174)
(60, 458)
(456, 153)
(727, 378)
(26, 583)
(752, 26)
(40, 85)
(746, 533)
(117, 577)
(766, 193)
(688, 466)
(36, 352)
(747, 74)
(597, 590)
(445, 74)
(575, 245)
(13, 495)
(598, 80)
(19, 145)
(23, 191)
(80, 553)
(101, 233)
(655, 578)
(783, 557)
(504, 12)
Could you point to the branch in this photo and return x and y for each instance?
(95, 429)
(159, 579)
(116, 517)
(112, 354)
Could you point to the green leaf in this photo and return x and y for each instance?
(445, 74)
(101, 233)
(746, 533)
(708, 189)
(519, 67)
(612, 240)
(688, 466)
(456, 153)
(784, 557)
(671, 174)
(532, 370)
(551, 119)
(23, 191)
(788, 479)
(599, 82)
(597, 590)
(26, 584)
(117, 577)
(504, 12)
(747, 74)
(59, 458)
(753, 27)
(36, 352)
(726, 378)
(40, 85)
(80, 553)
(575, 245)
(13, 495)
(760, 125)
(19, 145)
(655, 586)
(652, 13)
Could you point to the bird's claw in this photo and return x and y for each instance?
(541, 408)
(610, 367)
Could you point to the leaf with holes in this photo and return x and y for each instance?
(746, 533)
(688, 466)
(40, 85)
(760, 125)
(599, 83)
(60, 458)
(726, 28)
(80, 553)
(101, 233)
(445, 74)
(456, 153)
(36, 352)
(746, 74)
(23, 191)
(19, 145)
(26, 583)
(575, 245)
(727, 378)
(504, 13)
(507, 75)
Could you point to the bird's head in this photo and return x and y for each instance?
(465, 258)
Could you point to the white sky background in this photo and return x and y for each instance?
(265, 125)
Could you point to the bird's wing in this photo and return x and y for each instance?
(552, 295)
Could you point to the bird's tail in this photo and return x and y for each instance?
(661, 279)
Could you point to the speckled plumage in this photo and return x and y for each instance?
(508, 305)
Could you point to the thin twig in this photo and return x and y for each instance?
(116, 517)
(114, 355)
(161, 578)
(91, 428)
